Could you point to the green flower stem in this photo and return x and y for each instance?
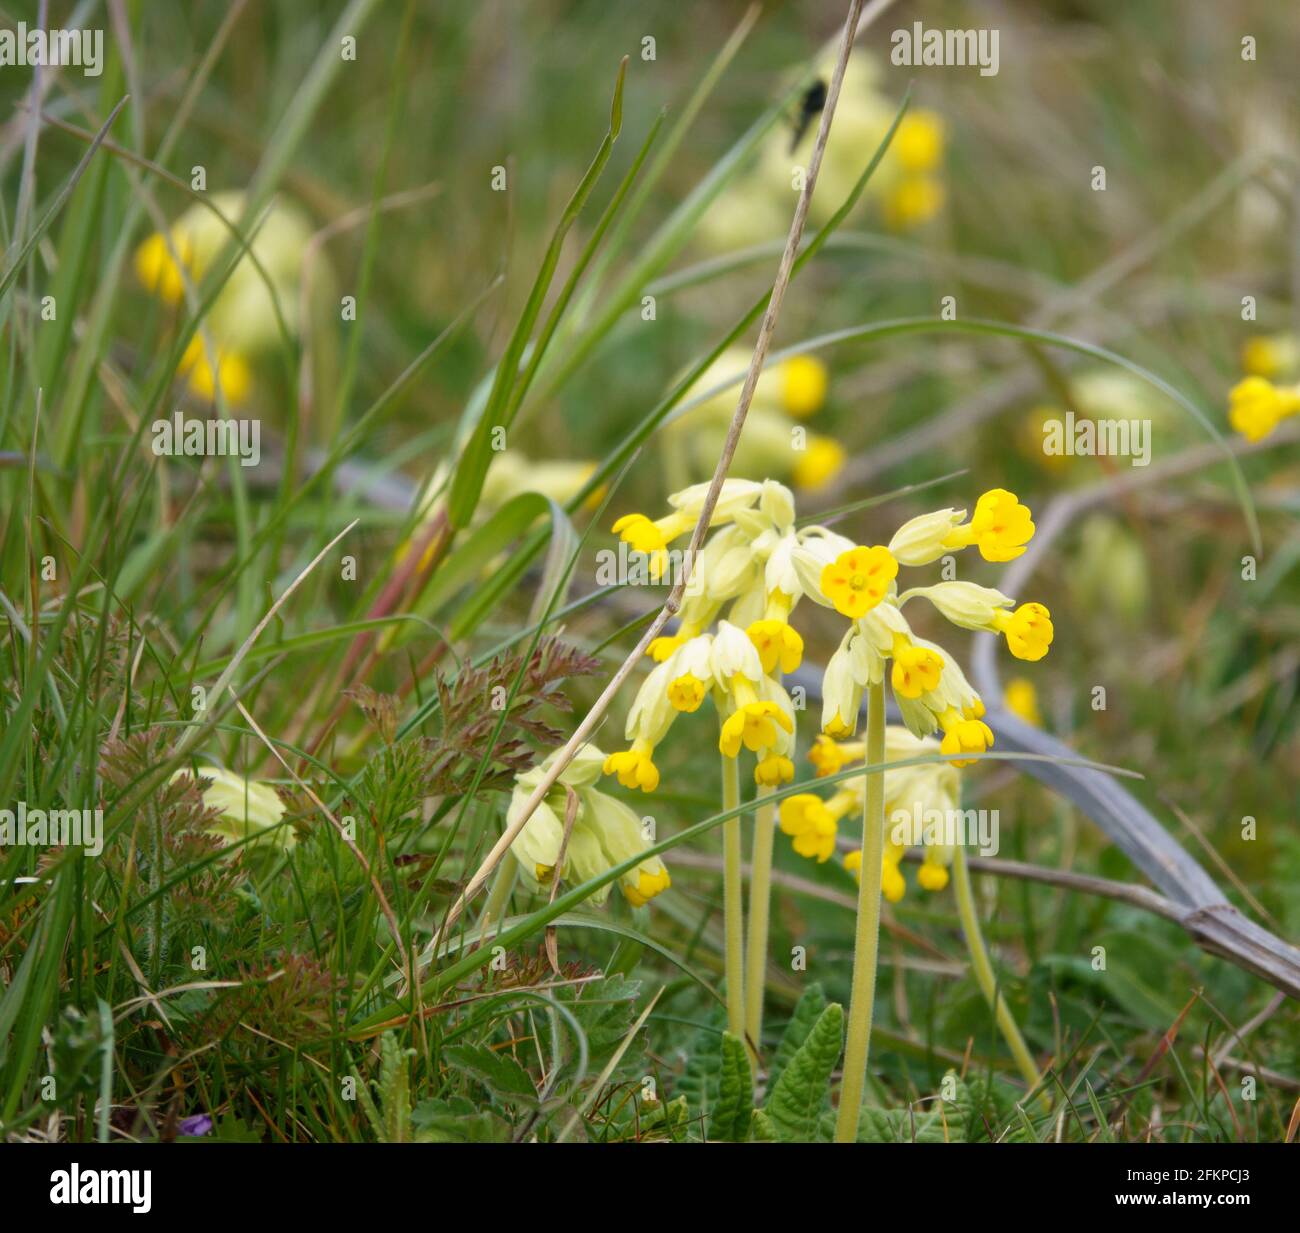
(732, 901)
(983, 969)
(866, 943)
(760, 902)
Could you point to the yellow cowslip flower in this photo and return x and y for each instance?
(652, 536)
(813, 823)
(1256, 406)
(691, 676)
(634, 767)
(892, 885)
(933, 873)
(914, 200)
(804, 381)
(753, 723)
(232, 372)
(842, 689)
(916, 669)
(749, 719)
(857, 580)
(648, 721)
(821, 460)
(918, 143)
(1271, 355)
(773, 770)
(1028, 630)
(1021, 699)
(963, 734)
(778, 643)
(247, 808)
(829, 756)
(1000, 527)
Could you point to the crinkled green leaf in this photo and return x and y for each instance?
(457, 1121)
(796, 1101)
(806, 1012)
(703, 1074)
(498, 1072)
(900, 1126)
(735, 1107)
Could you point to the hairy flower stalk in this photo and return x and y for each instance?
(984, 976)
(866, 940)
(760, 904)
(732, 902)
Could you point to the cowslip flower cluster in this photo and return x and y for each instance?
(757, 566)
(907, 188)
(745, 568)
(605, 832)
(242, 321)
(787, 394)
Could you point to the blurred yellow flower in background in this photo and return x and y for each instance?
(242, 321)
(1021, 699)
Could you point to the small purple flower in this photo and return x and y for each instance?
(198, 1124)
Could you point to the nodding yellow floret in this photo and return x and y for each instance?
(686, 692)
(829, 756)
(933, 875)
(892, 885)
(857, 580)
(1256, 406)
(964, 735)
(648, 884)
(752, 724)
(1000, 527)
(805, 818)
(634, 767)
(773, 770)
(916, 669)
(652, 538)
(778, 644)
(1028, 630)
